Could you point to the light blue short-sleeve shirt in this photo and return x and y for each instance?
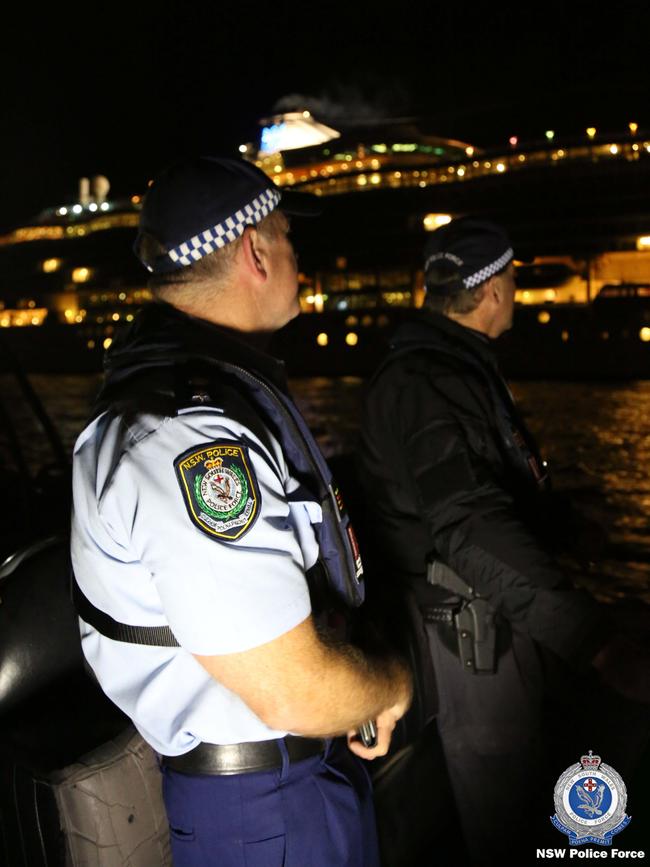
(140, 555)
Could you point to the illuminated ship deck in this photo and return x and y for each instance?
(397, 155)
(576, 209)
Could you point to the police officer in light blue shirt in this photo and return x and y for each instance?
(212, 555)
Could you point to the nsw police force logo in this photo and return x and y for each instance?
(590, 800)
(219, 489)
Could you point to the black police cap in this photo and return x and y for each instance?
(473, 248)
(201, 204)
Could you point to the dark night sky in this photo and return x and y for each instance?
(124, 93)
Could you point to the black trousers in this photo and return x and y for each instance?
(507, 737)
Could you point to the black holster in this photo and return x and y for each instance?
(471, 618)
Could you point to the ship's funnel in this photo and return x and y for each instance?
(84, 191)
(100, 188)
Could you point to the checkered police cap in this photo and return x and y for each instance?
(201, 204)
(475, 249)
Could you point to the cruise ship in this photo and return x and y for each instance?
(575, 208)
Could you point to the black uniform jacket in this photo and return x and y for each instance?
(450, 472)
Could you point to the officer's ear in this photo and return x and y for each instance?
(493, 290)
(254, 253)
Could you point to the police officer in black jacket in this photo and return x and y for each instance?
(457, 492)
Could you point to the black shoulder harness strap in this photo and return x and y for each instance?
(153, 636)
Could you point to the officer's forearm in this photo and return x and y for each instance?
(304, 684)
(344, 690)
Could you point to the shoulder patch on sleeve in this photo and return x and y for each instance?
(219, 488)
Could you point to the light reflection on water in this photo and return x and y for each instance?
(596, 438)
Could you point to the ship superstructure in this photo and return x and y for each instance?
(575, 207)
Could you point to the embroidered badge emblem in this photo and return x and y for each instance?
(219, 488)
(590, 800)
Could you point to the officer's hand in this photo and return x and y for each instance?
(387, 719)
(385, 723)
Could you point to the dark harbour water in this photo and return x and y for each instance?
(596, 438)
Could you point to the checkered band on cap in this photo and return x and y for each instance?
(228, 230)
(489, 270)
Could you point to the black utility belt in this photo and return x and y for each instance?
(246, 758)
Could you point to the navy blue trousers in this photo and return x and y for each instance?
(313, 813)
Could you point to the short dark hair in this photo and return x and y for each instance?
(445, 291)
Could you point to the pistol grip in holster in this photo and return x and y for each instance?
(476, 634)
